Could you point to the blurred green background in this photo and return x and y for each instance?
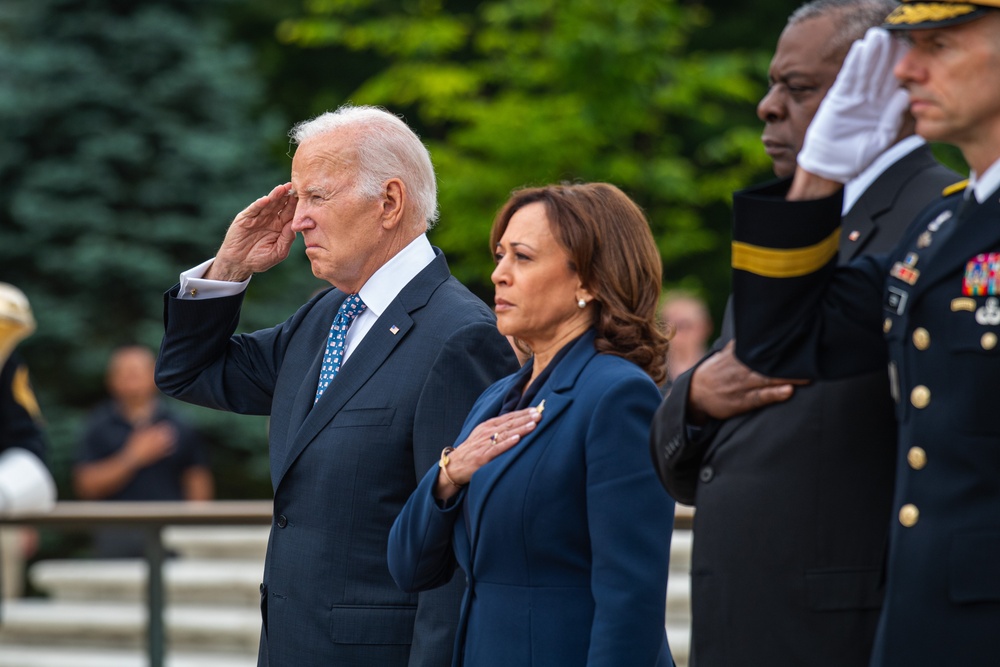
(132, 132)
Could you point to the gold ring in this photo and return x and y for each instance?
(493, 438)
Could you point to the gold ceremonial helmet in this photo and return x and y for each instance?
(16, 320)
(916, 15)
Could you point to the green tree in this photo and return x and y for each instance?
(508, 93)
(132, 134)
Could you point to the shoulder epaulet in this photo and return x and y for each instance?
(955, 187)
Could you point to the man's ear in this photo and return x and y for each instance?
(393, 199)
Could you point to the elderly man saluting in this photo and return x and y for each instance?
(364, 384)
(929, 309)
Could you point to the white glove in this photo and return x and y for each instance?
(26, 487)
(861, 114)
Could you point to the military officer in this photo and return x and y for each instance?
(930, 309)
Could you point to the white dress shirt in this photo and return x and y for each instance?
(985, 185)
(377, 293)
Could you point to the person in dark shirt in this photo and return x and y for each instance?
(134, 449)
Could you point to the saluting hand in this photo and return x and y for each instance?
(487, 441)
(258, 238)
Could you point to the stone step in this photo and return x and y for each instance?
(122, 625)
(215, 582)
(218, 542)
(41, 656)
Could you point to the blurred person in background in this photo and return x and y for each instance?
(688, 324)
(134, 449)
(26, 486)
(546, 500)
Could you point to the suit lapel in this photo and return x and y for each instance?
(860, 225)
(558, 397)
(309, 420)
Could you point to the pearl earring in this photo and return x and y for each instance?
(582, 304)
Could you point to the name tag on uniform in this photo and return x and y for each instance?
(895, 300)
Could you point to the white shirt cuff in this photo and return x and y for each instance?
(193, 286)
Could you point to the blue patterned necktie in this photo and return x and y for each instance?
(334, 355)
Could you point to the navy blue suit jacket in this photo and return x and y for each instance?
(564, 539)
(342, 470)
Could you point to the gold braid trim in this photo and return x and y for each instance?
(928, 11)
(21, 389)
(785, 263)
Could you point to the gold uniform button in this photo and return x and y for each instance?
(989, 340)
(909, 515)
(887, 325)
(917, 458)
(920, 397)
(921, 338)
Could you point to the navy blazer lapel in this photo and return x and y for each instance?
(558, 397)
(365, 360)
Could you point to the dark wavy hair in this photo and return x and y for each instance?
(612, 250)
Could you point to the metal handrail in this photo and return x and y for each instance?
(151, 517)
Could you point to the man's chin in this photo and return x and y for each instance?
(784, 168)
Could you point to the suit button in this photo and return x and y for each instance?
(706, 474)
(920, 397)
(989, 340)
(921, 338)
(281, 521)
(887, 325)
(917, 458)
(909, 515)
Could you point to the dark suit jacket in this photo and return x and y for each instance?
(942, 601)
(564, 539)
(342, 470)
(793, 500)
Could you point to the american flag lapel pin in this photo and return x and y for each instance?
(394, 329)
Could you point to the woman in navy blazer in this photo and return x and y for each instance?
(548, 503)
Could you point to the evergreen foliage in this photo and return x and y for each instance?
(132, 134)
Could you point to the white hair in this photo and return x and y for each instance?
(386, 148)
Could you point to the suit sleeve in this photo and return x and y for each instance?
(676, 456)
(796, 313)
(630, 519)
(421, 556)
(472, 359)
(202, 362)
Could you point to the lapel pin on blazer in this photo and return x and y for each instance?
(394, 329)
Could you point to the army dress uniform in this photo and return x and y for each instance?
(930, 310)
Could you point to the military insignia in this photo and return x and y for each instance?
(963, 303)
(989, 313)
(982, 275)
(924, 240)
(940, 220)
(904, 272)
